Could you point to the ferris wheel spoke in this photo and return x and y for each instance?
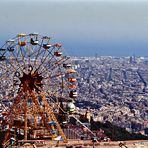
(15, 58)
(13, 66)
(44, 46)
(43, 61)
(30, 51)
(34, 53)
(3, 50)
(3, 68)
(43, 56)
(22, 56)
(43, 71)
(38, 51)
(45, 68)
(56, 59)
(51, 97)
(32, 60)
(60, 62)
(7, 67)
(54, 76)
(50, 60)
(26, 54)
(55, 92)
(17, 52)
(3, 75)
(26, 60)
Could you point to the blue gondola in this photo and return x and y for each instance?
(52, 123)
(53, 131)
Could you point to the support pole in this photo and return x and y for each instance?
(25, 127)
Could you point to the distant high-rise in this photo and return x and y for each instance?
(132, 59)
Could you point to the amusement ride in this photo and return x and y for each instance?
(38, 88)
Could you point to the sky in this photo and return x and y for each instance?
(84, 27)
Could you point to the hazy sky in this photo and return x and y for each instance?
(85, 27)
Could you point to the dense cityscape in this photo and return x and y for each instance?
(111, 103)
(114, 89)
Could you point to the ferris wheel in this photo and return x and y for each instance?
(34, 77)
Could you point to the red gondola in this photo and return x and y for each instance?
(57, 53)
(57, 45)
(72, 86)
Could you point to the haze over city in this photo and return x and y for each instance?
(85, 28)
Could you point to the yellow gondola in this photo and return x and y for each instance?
(21, 35)
(20, 41)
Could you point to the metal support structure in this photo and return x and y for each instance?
(25, 124)
(32, 66)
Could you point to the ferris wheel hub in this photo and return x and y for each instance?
(31, 81)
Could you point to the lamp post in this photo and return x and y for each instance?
(94, 139)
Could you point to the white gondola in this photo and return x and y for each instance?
(73, 94)
(67, 65)
(33, 34)
(11, 40)
(34, 42)
(2, 49)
